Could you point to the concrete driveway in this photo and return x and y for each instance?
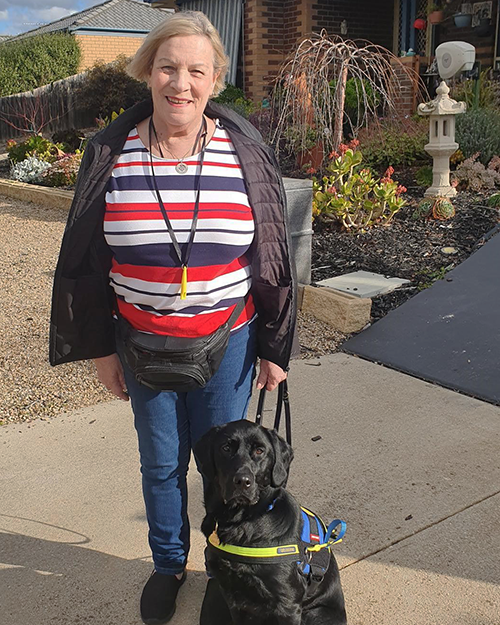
(414, 469)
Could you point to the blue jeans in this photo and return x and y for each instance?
(168, 426)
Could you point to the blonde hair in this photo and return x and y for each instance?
(180, 24)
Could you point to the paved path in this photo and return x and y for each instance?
(414, 469)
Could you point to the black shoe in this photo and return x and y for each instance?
(214, 610)
(158, 598)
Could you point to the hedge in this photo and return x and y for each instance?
(36, 61)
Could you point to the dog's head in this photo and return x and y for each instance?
(241, 459)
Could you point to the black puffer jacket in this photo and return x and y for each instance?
(81, 319)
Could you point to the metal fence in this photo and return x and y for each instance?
(52, 108)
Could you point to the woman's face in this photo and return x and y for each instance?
(182, 79)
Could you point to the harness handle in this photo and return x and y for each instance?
(330, 538)
(283, 401)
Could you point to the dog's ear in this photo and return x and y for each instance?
(204, 454)
(283, 456)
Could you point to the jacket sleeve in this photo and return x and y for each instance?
(81, 325)
(274, 284)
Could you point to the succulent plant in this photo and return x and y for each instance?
(494, 200)
(30, 170)
(423, 209)
(442, 208)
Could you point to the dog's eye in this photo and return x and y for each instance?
(226, 448)
(259, 451)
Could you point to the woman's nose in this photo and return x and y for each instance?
(180, 81)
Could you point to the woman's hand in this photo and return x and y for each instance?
(110, 373)
(270, 375)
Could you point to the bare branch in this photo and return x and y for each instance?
(310, 88)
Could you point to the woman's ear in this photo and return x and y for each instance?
(283, 456)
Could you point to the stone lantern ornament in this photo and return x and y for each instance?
(452, 57)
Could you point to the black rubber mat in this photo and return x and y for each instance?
(448, 334)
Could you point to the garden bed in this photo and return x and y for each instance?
(406, 248)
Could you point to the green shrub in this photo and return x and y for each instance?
(71, 139)
(234, 98)
(108, 87)
(36, 145)
(36, 61)
(478, 131)
(489, 91)
(354, 104)
(423, 177)
(395, 142)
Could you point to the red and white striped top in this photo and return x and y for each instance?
(145, 271)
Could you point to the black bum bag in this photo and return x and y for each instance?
(173, 363)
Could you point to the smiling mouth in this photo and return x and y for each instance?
(177, 101)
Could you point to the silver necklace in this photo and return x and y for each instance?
(181, 167)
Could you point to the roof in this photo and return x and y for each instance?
(113, 15)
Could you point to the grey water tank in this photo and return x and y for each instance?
(299, 207)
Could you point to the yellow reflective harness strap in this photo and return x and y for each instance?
(254, 552)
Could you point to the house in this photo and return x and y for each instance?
(258, 34)
(106, 30)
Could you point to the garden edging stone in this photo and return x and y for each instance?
(344, 312)
(46, 196)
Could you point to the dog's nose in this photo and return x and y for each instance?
(244, 481)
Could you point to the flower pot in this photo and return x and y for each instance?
(420, 24)
(435, 17)
(483, 28)
(462, 20)
(314, 156)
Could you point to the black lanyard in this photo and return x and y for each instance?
(183, 260)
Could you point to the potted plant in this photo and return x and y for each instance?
(435, 15)
(463, 19)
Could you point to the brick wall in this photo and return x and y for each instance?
(406, 102)
(366, 19)
(263, 44)
(273, 27)
(105, 48)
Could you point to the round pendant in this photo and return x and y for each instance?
(181, 168)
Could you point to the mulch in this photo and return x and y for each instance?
(406, 248)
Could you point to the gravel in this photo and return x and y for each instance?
(30, 237)
(30, 388)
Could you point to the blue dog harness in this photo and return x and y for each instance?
(312, 552)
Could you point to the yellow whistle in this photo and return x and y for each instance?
(184, 282)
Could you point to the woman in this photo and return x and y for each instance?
(127, 253)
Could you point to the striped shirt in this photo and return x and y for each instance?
(146, 273)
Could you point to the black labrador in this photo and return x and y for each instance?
(245, 468)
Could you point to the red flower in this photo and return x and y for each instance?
(311, 170)
(332, 190)
(389, 171)
(333, 155)
(354, 144)
(401, 189)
